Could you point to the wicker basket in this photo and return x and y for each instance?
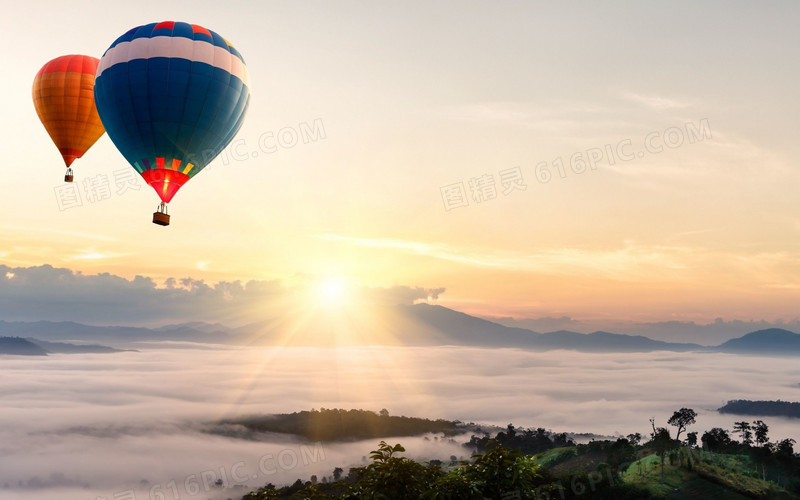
(161, 219)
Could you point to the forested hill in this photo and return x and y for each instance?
(34, 347)
(335, 425)
(20, 347)
(762, 408)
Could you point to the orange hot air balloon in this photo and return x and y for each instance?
(63, 95)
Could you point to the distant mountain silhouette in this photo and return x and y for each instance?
(772, 340)
(20, 347)
(196, 326)
(35, 347)
(762, 408)
(410, 325)
(65, 331)
(463, 329)
(609, 342)
(457, 328)
(67, 348)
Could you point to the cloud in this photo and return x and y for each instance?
(551, 117)
(58, 294)
(630, 261)
(656, 102)
(92, 254)
(135, 420)
(436, 250)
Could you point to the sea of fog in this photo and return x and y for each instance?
(129, 426)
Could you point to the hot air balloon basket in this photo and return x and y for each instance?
(68, 178)
(160, 218)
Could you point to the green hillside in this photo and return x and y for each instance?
(712, 475)
(527, 463)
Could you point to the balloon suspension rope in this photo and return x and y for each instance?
(160, 216)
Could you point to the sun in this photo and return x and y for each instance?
(332, 292)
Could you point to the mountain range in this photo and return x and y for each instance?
(409, 325)
(36, 347)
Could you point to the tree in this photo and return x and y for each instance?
(512, 431)
(501, 470)
(682, 419)
(268, 492)
(762, 456)
(384, 412)
(662, 443)
(760, 429)
(717, 439)
(743, 429)
(691, 439)
(784, 455)
(634, 439)
(786, 447)
(620, 453)
(394, 478)
(337, 473)
(561, 440)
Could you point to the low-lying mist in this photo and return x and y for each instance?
(129, 425)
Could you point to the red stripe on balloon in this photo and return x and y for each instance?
(72, 64)
(200, 29)
(165, 182)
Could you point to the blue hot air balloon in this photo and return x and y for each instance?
(171, 96)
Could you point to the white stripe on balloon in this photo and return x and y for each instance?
(174, 47)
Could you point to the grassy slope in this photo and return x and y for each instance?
(551, 458)
(724, 477)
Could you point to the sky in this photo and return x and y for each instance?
(68, 433)
(621, 161)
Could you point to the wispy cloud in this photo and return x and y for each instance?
(684, 234)
(16, 231)
(656, 102)
(436, 250)
(553, 116)
(91, 254)
(630, 262)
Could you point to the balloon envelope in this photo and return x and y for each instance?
(63, 95)
(171, 95)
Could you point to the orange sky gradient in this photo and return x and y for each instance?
(381, 106)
